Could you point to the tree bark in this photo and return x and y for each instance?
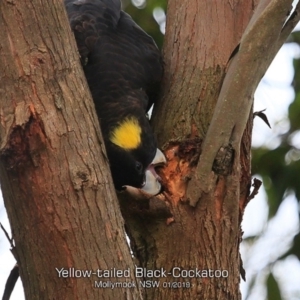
(54, 173)
(204, 123)
(198, 247)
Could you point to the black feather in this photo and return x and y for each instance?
(123, 68)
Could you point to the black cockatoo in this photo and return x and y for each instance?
(123, 67)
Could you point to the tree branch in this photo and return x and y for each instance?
(264, 35)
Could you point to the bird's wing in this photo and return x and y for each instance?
(88, 18)
(146, 57)
(113, 47)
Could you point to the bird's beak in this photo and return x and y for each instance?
(152, 183)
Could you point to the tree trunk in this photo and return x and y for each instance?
(199, 247)
(54, 172)
(204, 123)
(53, 169)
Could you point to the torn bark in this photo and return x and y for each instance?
(208, 98)
(54, 176)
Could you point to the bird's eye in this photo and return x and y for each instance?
(139, 167)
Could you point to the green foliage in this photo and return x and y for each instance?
(144, 17)
(273, 291)
(280, 171)
(280, 167)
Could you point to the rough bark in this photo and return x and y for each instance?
(206, 110)
(53, 170)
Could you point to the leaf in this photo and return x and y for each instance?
(144, 17)
(273, 290)
(271, 166)
(262, 116)
(294, 37)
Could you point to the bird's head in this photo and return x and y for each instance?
(133, 154)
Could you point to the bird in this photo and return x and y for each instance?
(123, 67)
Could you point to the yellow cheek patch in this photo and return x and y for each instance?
(127, 134)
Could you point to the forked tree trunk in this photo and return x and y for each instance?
(58, 194)
(215, 54)
(200, 245)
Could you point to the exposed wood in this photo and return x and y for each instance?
(200, 38)
(215, 55)
(54, 174)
